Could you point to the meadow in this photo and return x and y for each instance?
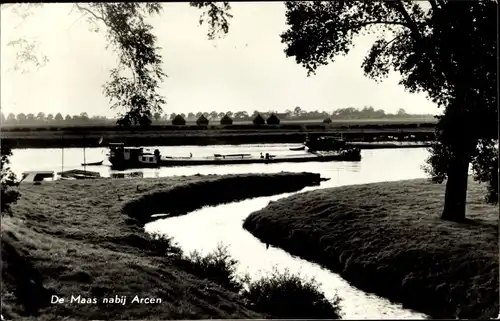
(388, 238)
(82, 238)
(192, 134)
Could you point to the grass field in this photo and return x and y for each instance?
(169, 135)
(388, 238)
(73, 238)
(216, 124)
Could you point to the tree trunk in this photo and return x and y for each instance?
(456, 189)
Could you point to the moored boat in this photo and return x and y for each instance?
(297, 148)
(93, 164)
(122, 157)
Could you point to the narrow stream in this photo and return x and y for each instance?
(204, 229)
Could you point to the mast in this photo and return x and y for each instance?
(62, 154)
(84, 158)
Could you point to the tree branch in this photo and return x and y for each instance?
(368, 23)
(92, 13)
(434, 5)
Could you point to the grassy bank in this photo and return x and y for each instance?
(71, 238)
(387, 238)
(90, 137)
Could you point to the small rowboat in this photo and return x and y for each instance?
(93, 164)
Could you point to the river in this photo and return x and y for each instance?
(393, 164)
(223, 223)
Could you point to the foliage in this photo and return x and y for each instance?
(226, 120)
(217, 14)
(132, 38)
(273, 120)
(202, 120)
(217, 266)
(327, 120)
(259, 120)
(178, 120)
(8, 182)
(446, 49)
(285, 295)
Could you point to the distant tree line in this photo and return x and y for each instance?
(296, 114)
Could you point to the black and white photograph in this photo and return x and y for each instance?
(249, 160)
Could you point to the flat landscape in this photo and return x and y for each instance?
(192, 134)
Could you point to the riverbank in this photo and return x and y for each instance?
(387, 238)
(79, 137)
(72, 238)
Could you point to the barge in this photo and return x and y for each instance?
(122, 157)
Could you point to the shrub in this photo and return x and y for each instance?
(178, 120)
(283, 295)
(259, 120)
(226, 120)
(8, 181)
(217, 266)
(163, 245)
(202, 120)
(327, 120)
(273, 120)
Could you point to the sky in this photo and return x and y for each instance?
(245, 70)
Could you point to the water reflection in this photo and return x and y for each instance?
(223, 223)
(392, 163)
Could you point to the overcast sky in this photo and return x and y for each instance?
(247, 70)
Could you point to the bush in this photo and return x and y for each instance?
(327, 120)
(163, 245)
(226, 120)
(202, 120)
(259, 120)
(217, 266)
(283, 295)
(8, 181)
(178, 120)
(273, 120)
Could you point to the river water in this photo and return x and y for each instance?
(223, 223)
(376, 165)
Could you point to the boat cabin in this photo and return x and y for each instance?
(123, 157)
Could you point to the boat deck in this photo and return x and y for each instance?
(257, 160)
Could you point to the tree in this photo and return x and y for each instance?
(40, 117)
(198, 114)
(259, 120)
(157, 116)
(67, 118)
(229, 114)
(172, 116)
(21, 118)
(84, 116)
(191, 115)
(11, 118)
(214, 115)
(128, 33)
(30, 118)
(226, 120)
(58, 117)
(297, 111)
(202, 121)
(447, 50)
(50, 118)
(401, 112)
(178, 120)
(220, 115)
(9, 195)
(273, 120)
